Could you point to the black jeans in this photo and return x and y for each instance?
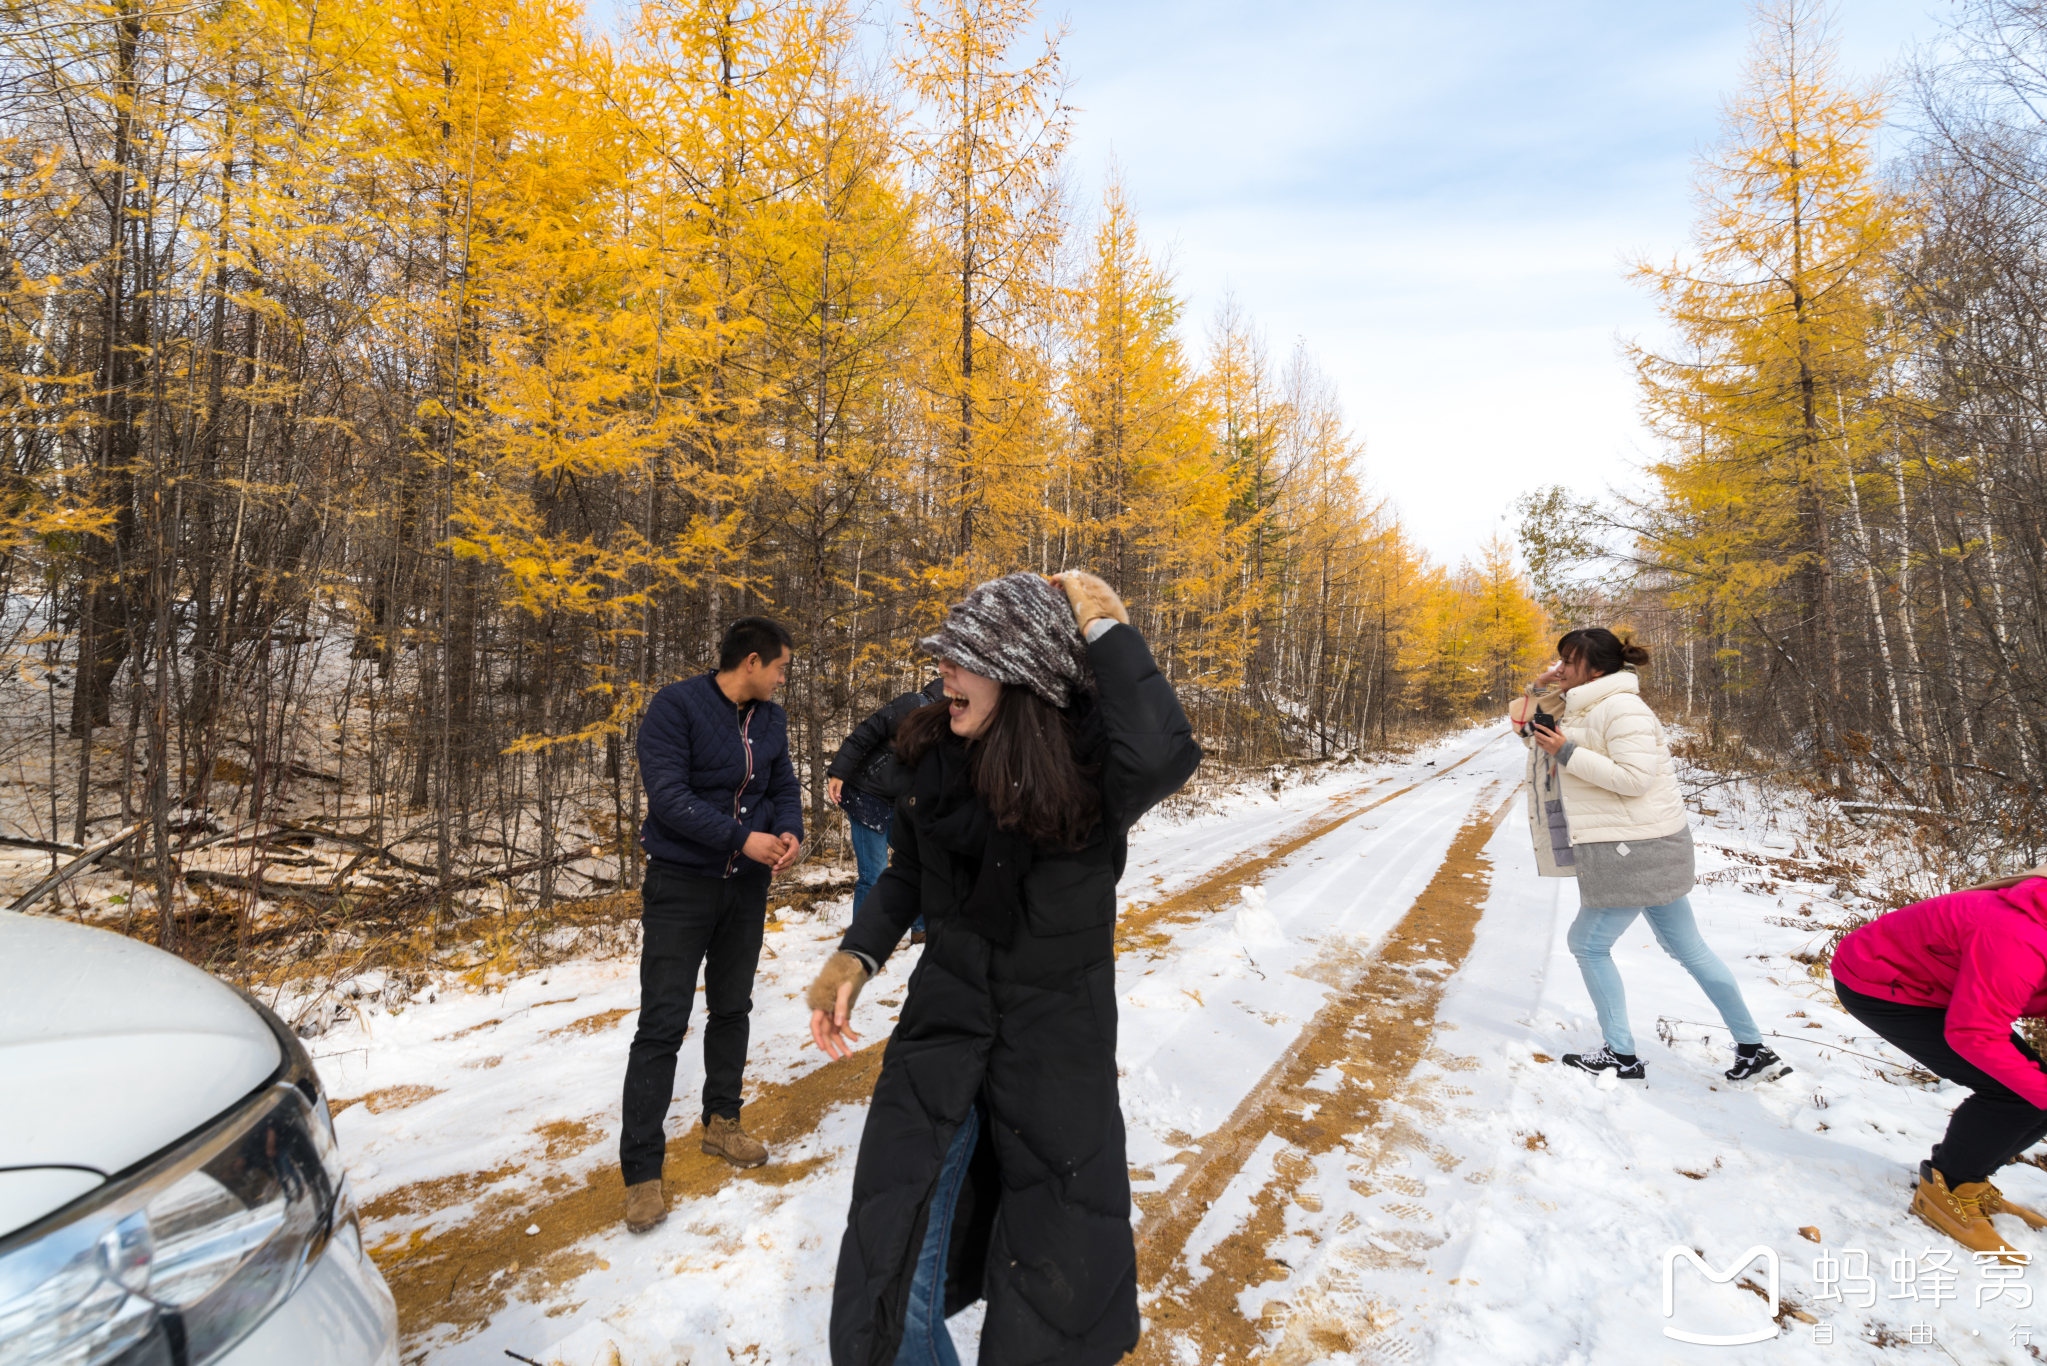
(1993, 1125)
(687, 921)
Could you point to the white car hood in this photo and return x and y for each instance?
(110, 1050)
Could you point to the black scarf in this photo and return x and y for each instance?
(988, 862)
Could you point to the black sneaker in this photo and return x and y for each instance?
(1626, 1068)
(1761, 1065)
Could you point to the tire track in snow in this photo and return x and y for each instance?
(452, 1278)
(1205, 1241)
(1140, 927)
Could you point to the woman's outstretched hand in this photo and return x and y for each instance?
(831, 999)
(832, 1032)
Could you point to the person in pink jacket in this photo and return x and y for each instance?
(1942, 980)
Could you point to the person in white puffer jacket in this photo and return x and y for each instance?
(1605, 809)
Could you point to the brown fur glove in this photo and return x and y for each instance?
(838, 970)
(1091, 598)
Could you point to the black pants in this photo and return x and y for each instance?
(1989, 1128)
(686, 921)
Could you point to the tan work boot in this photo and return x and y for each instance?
(724, 1138)
(1959, 1214)
(1997, 1202)
(646, 1204)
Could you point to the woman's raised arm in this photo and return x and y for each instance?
(1151, 750)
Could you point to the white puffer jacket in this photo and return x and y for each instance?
(1620, 783)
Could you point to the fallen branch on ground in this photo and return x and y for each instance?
(421, 895)
(1798, 1038)
(291, 766)
(46, 846)
(1691, 791)
(87, 857)
(264, 887)
(321, 832)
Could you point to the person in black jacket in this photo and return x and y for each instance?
(992, 1162)
(724, 814)
(864, 780)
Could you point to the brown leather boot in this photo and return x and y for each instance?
(1959, 1214)
(646, 1204)
(1997, 1202)
(724, 1138)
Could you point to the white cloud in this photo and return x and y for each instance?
(1438, 201)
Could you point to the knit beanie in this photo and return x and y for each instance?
(1016, 629)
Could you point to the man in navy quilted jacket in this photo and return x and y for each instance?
(723, 816)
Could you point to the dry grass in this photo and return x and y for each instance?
(390, 1098)
(594, 1024)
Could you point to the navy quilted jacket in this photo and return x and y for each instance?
(714, 774)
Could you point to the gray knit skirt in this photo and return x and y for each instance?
(1621, 874)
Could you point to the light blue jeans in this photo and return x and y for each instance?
(926, 1341)
(1592, 939)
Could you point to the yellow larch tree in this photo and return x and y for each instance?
(849, 297)
(991, 131)
(1774, 395)
(1145, 488)
(1513, 634)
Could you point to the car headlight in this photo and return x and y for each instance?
(179, 1260)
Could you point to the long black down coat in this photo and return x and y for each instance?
(1042, 1229)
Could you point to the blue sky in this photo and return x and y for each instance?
(1438, 199)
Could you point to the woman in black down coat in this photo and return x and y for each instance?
(992, 1164)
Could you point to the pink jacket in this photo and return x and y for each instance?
(1980, 955)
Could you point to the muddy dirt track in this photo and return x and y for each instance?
(451, 1278)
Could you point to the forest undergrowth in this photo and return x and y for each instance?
(1871, 843)
(337, 896)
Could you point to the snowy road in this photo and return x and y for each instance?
(1507, 1210)
(489, 1113)
(1347, 1141)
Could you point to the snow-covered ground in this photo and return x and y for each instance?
(1500, 1209)
(1548, 1202)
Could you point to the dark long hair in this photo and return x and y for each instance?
(1023, 766)
(1602, 650)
